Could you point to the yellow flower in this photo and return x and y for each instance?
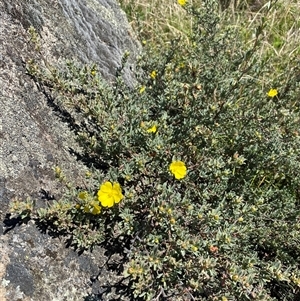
(109, 194)
(83, 195)
(181, 2)
(272, 93)
(93, 72)
(153, 74)
(93, 207)
(178, 169)
(153, 129)
(142, 89)
(96, 209)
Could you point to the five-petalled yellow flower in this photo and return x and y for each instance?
(110, 194)
(272, 93)
(178, 169)
(181, 2)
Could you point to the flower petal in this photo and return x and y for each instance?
(117, 192)
(106, 187)
(106, 200)
(96, 209)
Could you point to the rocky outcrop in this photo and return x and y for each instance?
(33, 139)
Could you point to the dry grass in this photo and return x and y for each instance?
(281, 37)
(159, 21)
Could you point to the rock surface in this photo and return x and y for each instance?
(33, 265)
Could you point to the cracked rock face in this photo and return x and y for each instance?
(35, 266)
(33, 139)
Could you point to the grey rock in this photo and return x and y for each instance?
(20, 276)
(33, 265)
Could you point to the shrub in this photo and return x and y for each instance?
(206, 149)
